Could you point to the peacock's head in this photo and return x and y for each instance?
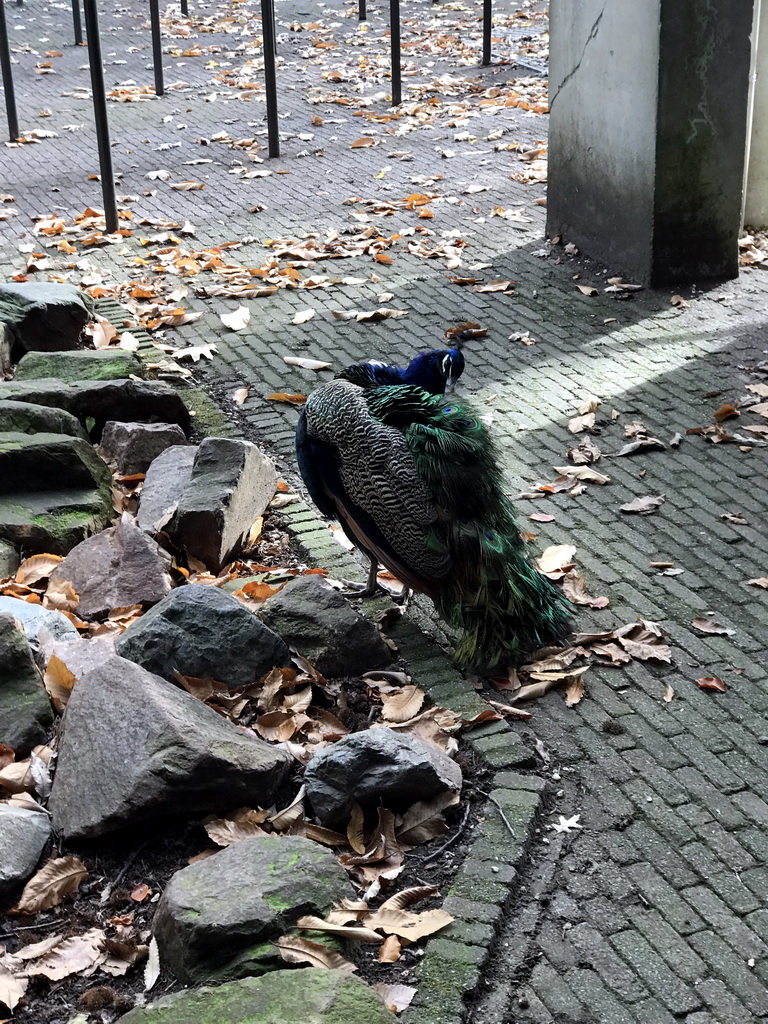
(436, 372)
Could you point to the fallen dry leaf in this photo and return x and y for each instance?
(669, 694)
(408, 924)
(12, 989)
(194, 352)
(710, 626)
(239, 396)
(556, 559)
(73, 955)
(303, 951)
(58, 681)
(575, 589)
(36, 568)
(644, 506)
(50, 885)
(396, 997)
(574, 691)
(712, 683)
(281, 396)
(725, 412)
(584, 473)
(389, 952)
(760, 581)
(236, 825)
(402, 706)
(306, 364)
(317, 924)
(588, 290)
(236, 320)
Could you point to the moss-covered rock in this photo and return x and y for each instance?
(25, 710)
(81, 364)
(248, 894)
(26, 418)
(307, 996)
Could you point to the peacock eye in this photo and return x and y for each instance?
(449, 409)
(490, 535)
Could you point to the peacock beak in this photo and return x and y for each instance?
(450, 384)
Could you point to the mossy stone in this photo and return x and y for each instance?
(81, 364)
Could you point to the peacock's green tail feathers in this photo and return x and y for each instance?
(502, 603)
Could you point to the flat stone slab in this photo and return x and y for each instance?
(27, 418)
(132, 401)
(204, 633)
(133, 447)
(81, 364)
(44, 317)
(23, 834)
(49, 461)
(311, 995)
(25, 710)
(166, 480)
(136, 748)
(322, 625)
(377, 766)
(232, 483)
(118, 567)
(248, 894)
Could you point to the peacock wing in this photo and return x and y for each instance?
(382, 496)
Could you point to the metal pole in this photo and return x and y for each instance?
(362, 13)
(100, 114)
(394, 42)
(157, 46)
(5, 61)
(76, 22)
(184, 8)
(487, 19)
(270, 77)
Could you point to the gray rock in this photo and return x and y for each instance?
(132, 401)
(136, 748)
(249, 893)
(44, 317)
(26, 418)
(116, 568)
(54, 491)
(9, 559)
(204, 633)
(378, 766)
(41, 625)
(232, 483)
(23, 834)
(25, 711)
(5, 351)
(134, 446)
(312, 995)
(82, 364)
(323, 626)
(166, 480)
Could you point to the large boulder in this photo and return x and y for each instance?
(322, 625)
(26, 418)
(82, 364)
(202, 632)
(133, 401)
(116, 568)
(9, 559)
(6, 344)
(248, 894)
(23, 834)
(377, 766)
(167, 479)
(232, 483)
(44, 317)
(25, 710)
(312, 995)
(134, 446)
(136, 748)
(54, 491)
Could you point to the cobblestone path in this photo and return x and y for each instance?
(655, 910)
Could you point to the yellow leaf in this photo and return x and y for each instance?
(51, 884)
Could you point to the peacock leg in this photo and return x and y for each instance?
(371, 588)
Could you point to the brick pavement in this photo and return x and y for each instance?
(656, 910)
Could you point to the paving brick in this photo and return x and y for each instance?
(665, 985)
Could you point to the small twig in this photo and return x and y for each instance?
(30, 928)
(452, 840)
(109, 887)
(498, 807)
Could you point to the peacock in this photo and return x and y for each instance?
(412, 475)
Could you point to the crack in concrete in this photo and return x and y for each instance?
(592, 35)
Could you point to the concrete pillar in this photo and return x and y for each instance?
(756, 184)
(648, 116)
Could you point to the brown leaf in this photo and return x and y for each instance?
(590, 476)
(669, 694)
(58, 681)
(586, 451)
(60, 596)
(71, 956)
(326, 836)
(188, 186)
(588, 290)
(712, 683)
(236, 825)
(725, 412)
(575, 589)
(402, 706)
(36, 568)
(365, 142)
(357, 933)
(760, 581)
(617, 655)
(642, 444)
(406, 897)
(408, 925)
(355, 833)
(303, 951)
(574, 691)
(140, 892)
(494, 286)
(281, 396)
(239, 396)
(546, 681)
(50, 885)
(12, 989)
(396, 997)
(581, 423)
(389, 953)
(643, 651)
(644, 506)
(710, 626)
(467, 330)
(423, 821)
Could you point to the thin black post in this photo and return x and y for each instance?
(100, 114)
(157, 46)
(184, 8)
(76, 22)
(270, 77)
(394, 42)
(487, 19)
(362, 13)
(10, 95)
